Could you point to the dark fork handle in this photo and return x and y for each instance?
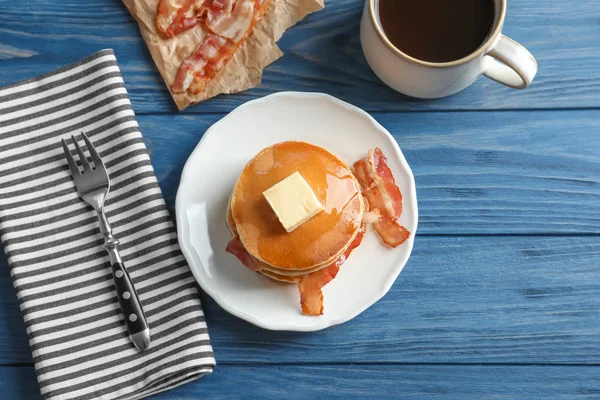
(132, 308)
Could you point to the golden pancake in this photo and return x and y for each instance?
(288, 275)
(290, 272)
(320, 240)
(230, 221)
(280, 278)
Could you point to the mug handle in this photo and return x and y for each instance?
(518, 67)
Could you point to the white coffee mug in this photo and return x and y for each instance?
(428, 80)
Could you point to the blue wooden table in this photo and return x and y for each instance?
(501, 297)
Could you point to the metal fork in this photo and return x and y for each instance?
(93, 185)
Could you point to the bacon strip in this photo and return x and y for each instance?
(176, 16)
(220, 6)
(391, 232)
(383, 195)
(203, 64)
(311, 295)
(213, 53)
(225, 6)
(233, 25)
(236, 248)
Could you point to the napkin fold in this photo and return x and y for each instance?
(61, 274)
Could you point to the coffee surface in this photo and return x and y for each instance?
(437, 30)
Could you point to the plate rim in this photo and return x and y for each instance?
(320, 323)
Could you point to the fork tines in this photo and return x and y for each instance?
(82, 157)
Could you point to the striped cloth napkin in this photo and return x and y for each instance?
(51, 238)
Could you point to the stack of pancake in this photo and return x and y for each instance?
(261, 242)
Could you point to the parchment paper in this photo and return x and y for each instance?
(244, 70)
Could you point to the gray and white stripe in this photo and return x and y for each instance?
(61, 274)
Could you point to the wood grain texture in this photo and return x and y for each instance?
(322, 54)
(476, 173)
(441, 382)
(459, 300)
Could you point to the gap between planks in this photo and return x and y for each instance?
(193, 111)
(370, 363)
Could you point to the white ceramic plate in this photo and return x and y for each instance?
(208, 179)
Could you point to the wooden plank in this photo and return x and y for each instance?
(322, 54)
(443, 382)
(459, 300)
(476, 173)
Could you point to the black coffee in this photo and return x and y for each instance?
(437, 30)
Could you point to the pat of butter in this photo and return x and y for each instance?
(293, 201)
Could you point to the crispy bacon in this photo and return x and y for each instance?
(391, 232)
(231, 24)
(203, 64)
(236, 248)
(311, 296)
(176, 16)
(221, 6)
(383, 195)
